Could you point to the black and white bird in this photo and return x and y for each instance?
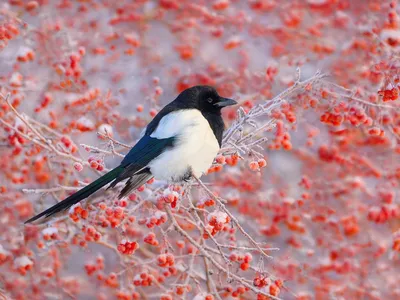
(180, 142)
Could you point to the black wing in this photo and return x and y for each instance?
(136, 161)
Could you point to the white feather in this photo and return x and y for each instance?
(195, 148)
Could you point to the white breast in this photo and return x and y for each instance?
(195, 148)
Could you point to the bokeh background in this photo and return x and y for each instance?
(328, 196)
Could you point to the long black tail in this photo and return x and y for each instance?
(79, 195)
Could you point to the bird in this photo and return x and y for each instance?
(181, 142)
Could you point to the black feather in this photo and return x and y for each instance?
(79, 195)
(217, 125)
(134, 182)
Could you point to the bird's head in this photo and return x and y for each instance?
(205, 98)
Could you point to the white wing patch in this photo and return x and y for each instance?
(176, 123)
(195, 148)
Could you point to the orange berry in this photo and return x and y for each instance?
(261, 163)
(254, 166)
(31, 5)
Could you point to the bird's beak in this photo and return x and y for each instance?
(225, 102)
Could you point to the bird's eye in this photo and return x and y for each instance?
(210, 100)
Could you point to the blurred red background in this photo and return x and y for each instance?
(309, 168)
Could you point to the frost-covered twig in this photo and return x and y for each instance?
(233, 218)
(43, 142)
(245, 142)
(212, 260)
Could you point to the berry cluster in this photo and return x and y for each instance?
(331, 118)
(47, 99)
(169, 196)
(91, 268)
(50, 233)
(216, 222)
(143, 279)
(232, 160)
(244, 260)
(206, 202)
(113, 216)
(181, 289)
(96, 164)
(261, 281)
(150, 239)
(282, 136)
(384, 213)
(165, 260)
(127, 248)
(78, 213)
(157, 219)
(389, 94)
(257, 165)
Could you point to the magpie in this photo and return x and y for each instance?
(180, 142)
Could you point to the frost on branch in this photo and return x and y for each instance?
(301, 202)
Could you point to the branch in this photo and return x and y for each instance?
(233, 218)
(211, 259)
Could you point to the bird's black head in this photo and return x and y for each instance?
(203, 97)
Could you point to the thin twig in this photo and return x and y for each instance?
(211, 259)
